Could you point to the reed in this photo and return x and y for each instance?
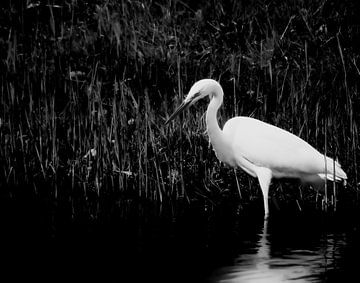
(85, 89)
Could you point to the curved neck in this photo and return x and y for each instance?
(213, 129)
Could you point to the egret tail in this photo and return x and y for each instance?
(334, 172)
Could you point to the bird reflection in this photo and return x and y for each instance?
(263, 264)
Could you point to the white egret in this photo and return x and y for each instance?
(260, 149)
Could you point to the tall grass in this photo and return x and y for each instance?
(85, 89)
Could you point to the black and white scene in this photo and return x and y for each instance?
(179, 141)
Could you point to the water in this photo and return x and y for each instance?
(299, 256)
(126, 241)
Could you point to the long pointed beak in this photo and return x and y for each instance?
(180, 109)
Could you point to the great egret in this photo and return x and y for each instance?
(260, 149)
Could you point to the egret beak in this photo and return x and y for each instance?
(181, 108)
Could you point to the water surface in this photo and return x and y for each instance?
(299, 251)
(128, 241)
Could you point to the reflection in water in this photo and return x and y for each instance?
(264, 263)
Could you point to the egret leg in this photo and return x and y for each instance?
(264, 175)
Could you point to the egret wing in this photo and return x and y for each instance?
(268, 146)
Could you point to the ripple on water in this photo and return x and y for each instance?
(282, 263)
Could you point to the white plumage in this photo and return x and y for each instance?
(260, 149)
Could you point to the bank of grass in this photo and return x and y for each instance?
(86, 87)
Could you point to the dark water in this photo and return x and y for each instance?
(290, 257)
(126, 241)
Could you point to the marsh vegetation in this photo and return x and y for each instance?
(85, 88)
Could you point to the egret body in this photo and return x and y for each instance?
(260, 149)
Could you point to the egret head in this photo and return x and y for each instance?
(200, 89)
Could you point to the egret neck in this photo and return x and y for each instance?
(215, 133)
